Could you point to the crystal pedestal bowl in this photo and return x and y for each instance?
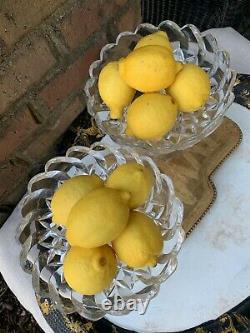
(44, 244)
(189, 46)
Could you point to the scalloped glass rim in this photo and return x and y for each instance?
(44, 244)
(189, 46)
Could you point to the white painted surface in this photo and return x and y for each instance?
(237, 46)
(213, 273)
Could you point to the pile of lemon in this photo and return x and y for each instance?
(166, 87)
(102, 225)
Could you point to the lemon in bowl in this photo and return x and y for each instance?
(148, 68)
(98, 218)
(144, 239)
(89, 271)
(151, 116)
(134, 178)
(113, 90)
(191, 88)
(157, 38)
(69, 193)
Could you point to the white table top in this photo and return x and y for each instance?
(213, 273)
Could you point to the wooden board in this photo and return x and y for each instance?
(191, 171)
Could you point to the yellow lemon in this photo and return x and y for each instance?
(158, 38)
(115, 93)
(140, 243)
(151, 116)
(69, 193)
(191, 88)
(98, 218)
(134, 178)
(89, 271)
(148, 68)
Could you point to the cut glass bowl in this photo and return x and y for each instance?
(44, 244)
(189, 46)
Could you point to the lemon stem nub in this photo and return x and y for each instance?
(116, 113)
(113, 90)
(99, 263)
(125, 196)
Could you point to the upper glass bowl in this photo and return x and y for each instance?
(189, 46)
(44, 244)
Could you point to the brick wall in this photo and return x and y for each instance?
(46, 47)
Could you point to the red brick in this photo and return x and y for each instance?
(16, 192)
(45, 142)
(30, 64)
(130, 20)
(10, 176)
(19, 130)
(85, 20)
(67, 116)
(19, 17)
(72, 79)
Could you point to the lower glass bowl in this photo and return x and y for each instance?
(44, 244)
(189, 46)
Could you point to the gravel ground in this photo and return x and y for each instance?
(13, 317)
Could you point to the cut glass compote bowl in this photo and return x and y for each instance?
(189, 46)
(44, 244)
